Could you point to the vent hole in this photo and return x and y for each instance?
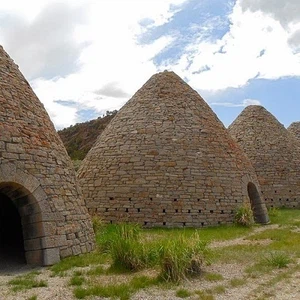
(126, 210)
(189, 211)
(183, 223)
(139, 210)
(175, 200)
(200, 211)
(176, 210)
(111, 198)
(164, 210)
(106, 209)
(164, 223)
(211, 211)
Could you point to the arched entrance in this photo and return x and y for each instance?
(11, 233)
(21, 229)
(259, 211)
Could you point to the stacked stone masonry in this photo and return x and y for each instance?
(166, 160)
(37, 174)
(274, 153)
(294, 129)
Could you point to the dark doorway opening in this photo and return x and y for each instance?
(259, 211)
(11, 234)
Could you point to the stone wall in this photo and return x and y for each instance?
(37, 174)
(166, 160)
(294, 129)
(274, 154)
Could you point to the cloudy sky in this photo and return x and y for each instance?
(85, 57)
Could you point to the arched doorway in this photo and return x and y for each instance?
(21, 227)
(11, 233)
(259, 211)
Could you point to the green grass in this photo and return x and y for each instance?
(27, 282)
(213, 277)
(77, 280)
(122, 291)
(183, 293)
(84, 260)
(205, 295)
(34, 297)
(177, 262)
(176, 254)
(235, 282)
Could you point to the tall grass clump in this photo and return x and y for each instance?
(244, 216)
(126, 249)
(181, 258)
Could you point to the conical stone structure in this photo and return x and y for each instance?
(274, 154)
(166, 160)
(40, 202)
(294, 129)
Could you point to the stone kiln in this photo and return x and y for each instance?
(274, 154)
(294, 129)
(166, 160)
(42, 213)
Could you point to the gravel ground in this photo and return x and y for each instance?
(254, 288)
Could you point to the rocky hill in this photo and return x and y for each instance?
(79, 138)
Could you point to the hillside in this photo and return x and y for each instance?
(78, 139)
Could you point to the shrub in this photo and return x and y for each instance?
(181, 257)
(126, 249)
(277, 259)
(244, 216)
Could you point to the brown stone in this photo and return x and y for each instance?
(177, 151)
(37, 175)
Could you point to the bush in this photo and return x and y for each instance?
(126, 249)
(277, 259)
(182, 257)
(244, 216)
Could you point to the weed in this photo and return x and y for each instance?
(78, 261)
(235, 282)
(34, 297)
(26, 282)
(77, 280)
(183, 293)
(122, 291)
(97, 223)
(213, 277)
(273, 212)
(277, 259)
(244, 216)
(219, 289)
(205, 295)
(182, 257)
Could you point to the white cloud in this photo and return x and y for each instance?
(244, 103)
(256, 46)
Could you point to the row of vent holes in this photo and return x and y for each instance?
(294, 206)
(276, 191)
(176, 210)
(175, 199)
(281, 199)
(165, 223)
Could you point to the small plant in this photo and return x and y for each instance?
(34, 297)
(77, 280)
(205, 295)
(182, 257)
(235, 282)
(213, 276)
(273, 211)
(183, 293)
(244, 216)
(277, 259)
(97, 223)
(126, 249)
(26, 282)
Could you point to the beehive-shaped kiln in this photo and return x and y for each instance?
(294, 129)
(273, 152)
(42, 212)
(166, 160)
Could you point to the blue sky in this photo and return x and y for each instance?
(85, 57)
